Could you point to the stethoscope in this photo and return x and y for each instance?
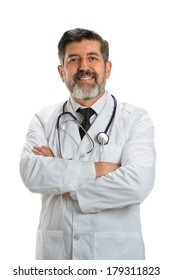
(102, 137)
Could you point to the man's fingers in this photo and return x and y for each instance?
(66, 194)
(38, 151)
(46, 151)
(42, 151)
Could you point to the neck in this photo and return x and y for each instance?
(88, 102)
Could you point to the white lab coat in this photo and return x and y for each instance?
(101, 217)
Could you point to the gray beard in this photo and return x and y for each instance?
(86, 92)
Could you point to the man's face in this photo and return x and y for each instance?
(84, 71)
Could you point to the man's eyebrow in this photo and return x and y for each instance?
(93, 53)
(90, 53)
(73, 54)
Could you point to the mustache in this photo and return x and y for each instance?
(82, 73)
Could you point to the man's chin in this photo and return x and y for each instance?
(86, 91)
(85, 94)
(88, 97)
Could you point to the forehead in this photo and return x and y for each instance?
(83, 48)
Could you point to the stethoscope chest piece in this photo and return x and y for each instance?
(102, 138)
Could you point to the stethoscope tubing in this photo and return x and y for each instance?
(112, 116)
(102, 137)
(69, 113)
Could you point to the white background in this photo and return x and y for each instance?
(140, 34)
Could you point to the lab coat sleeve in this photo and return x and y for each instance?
(133, 181)
(50, 175)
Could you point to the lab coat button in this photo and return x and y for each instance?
(76, 237)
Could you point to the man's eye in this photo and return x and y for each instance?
(73, 60)
(93, 58)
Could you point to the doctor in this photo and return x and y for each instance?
(91, 188)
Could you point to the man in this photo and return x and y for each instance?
(91, 191)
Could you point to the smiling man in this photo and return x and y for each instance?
(84, 70)
(92, 160)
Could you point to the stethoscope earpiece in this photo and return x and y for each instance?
(102, 138)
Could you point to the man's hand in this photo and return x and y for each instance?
(42, 151)
(102, 168)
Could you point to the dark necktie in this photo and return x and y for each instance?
(86, 113)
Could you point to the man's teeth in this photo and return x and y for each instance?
(85, 78)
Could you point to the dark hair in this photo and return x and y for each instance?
(77, 35)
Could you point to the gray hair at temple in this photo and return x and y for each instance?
(77, 35)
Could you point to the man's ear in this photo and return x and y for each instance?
(108, 69)
(61, 72)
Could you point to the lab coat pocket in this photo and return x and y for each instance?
(119, 246)
(49, 245)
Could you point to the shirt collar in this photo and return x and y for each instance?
(97, 106)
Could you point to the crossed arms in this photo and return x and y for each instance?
(96, 185)
(101, 168)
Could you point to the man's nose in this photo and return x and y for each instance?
(83, 64)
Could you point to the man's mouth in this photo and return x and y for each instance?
(85, 75)
(85, 78)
